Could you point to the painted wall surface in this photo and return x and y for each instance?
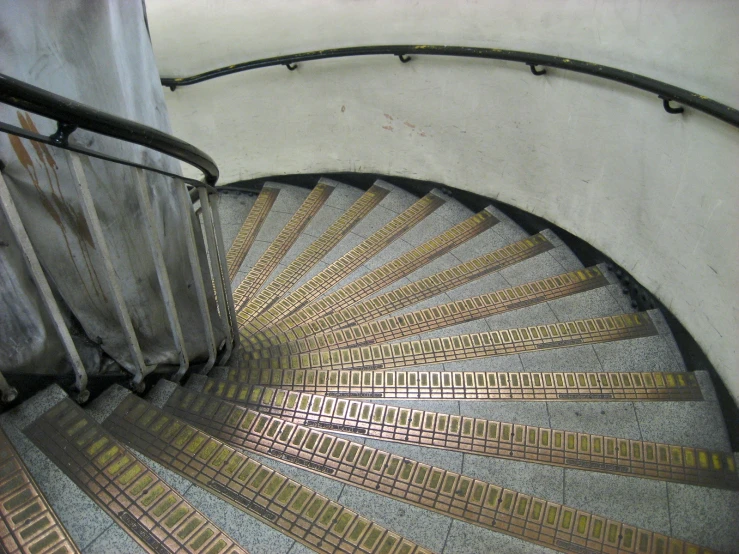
(657, 193)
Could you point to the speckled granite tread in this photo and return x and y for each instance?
(404, 296)
(28, 524)
(488, 505)
(398, 268)
(148, 509)
(479, 385)
(458, 347)
(280, 245)
(249, 230)
(480, 436)
(437, 317)
(309, 257)
(345, 265)
(292, 508)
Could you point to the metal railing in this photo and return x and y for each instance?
(666, 92)
(71, 115)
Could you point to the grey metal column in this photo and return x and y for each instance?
(101, 245)
(216, 270)
(39, 278)
(197, 276)
(152, 237)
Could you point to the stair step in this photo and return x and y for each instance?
(445, 315)
(347, 263)
(152, 513)
(279, 247)
(396, 269)
(91, 529)
(309, 257)
(250, 229)
(481, 436)
(475, 385)
(461, 347)
(296, 510)
(27, 521)
(446, 492)
(407, 295)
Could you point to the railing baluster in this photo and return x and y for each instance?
(152, 237)
(216, 270)
(39, 278)
(197, 276)
(8, 393)
(101, 245)
(236, 336)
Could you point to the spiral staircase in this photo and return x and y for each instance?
(413, 377)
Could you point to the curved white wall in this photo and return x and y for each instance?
(657, 193)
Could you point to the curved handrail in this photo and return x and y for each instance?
(73, 114)
(665, 91)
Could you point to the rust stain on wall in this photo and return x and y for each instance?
(61, 212)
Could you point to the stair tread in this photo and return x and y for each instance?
(121, 486)
(27, 521)
(260, 492)
(295, 445)
(501, 438)
(249, 230)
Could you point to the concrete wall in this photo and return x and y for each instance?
(657, 193)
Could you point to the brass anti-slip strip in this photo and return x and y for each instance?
(307, 259)
(487, 505)
(345, 265)
(444, 315)
(484, 437)
(293, 328)
(249, 230)
(398, 268)
(461, 347)
(27, 522)
(282, 503)
(479, 385)
(146, 507)
(279, 247)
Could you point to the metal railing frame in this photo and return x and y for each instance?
(71, 115)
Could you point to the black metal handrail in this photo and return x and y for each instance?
(666, 92)
(71, 115)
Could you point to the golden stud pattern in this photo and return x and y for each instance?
(27, 522)
(479, 385)
(404, 296)
(458, 347)
(398, 268)
(249, 230)
(280, 245)
(152, 513)
(311, 255)
(280, 502)
(345, 265)
(452, 494)
(487, 438)
(439, 317)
